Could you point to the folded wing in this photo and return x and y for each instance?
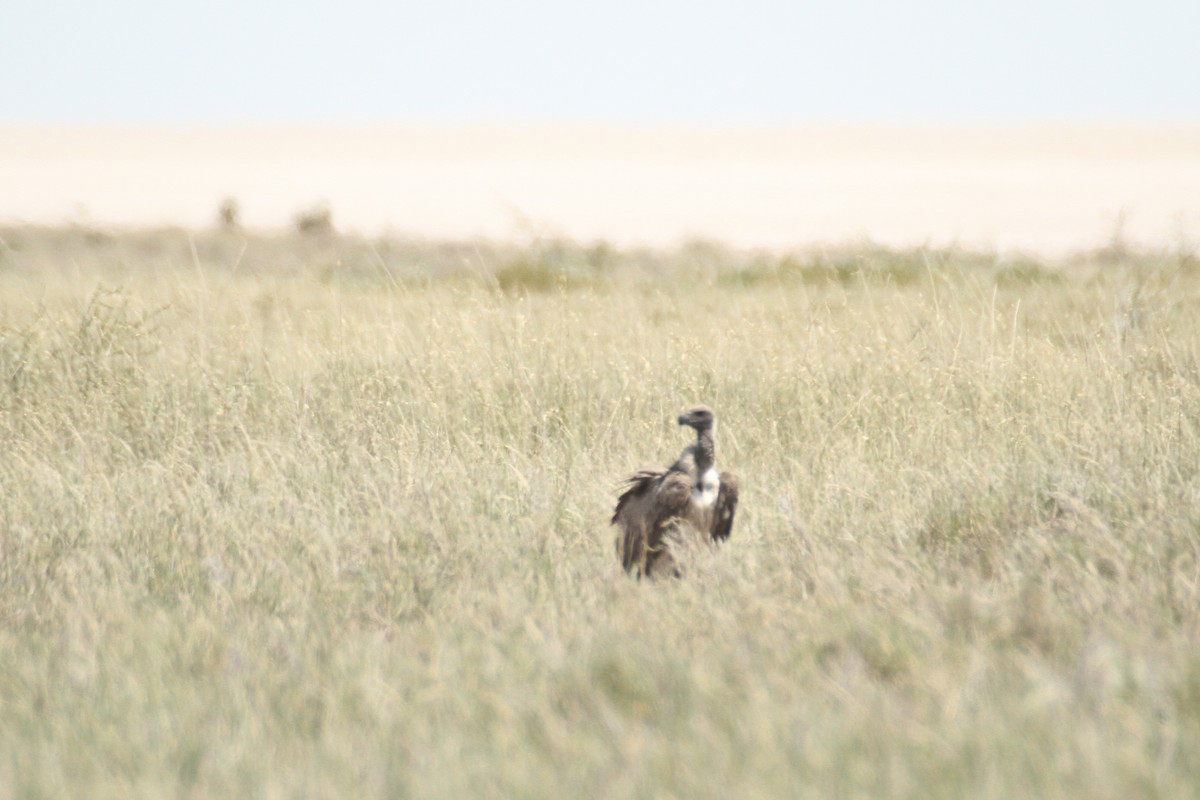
(652, 501)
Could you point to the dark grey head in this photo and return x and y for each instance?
(701, 418)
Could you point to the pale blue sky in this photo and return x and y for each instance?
(648, 62)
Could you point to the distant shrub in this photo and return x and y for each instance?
(229, 214)
(524, 275)
(1025, 273)
(316, 220)
(899, 268)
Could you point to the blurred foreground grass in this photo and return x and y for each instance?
(321, 516)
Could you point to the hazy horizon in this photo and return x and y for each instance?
(1048, 189)
(1036, 125)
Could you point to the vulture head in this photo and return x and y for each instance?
(700, 418)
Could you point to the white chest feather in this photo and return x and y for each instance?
(704, 494)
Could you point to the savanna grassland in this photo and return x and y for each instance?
(316, 516)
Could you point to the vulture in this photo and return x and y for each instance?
(660, 506)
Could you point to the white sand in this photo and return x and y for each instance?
(1047, 189)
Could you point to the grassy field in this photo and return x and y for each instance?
(327, 517)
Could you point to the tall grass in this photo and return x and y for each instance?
(329, 517)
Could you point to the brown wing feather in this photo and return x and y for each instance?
(631, 539)
(727, 499)
(637, 485)
(652, 499)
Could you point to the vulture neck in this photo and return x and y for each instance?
(705, 452)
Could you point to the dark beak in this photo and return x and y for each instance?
(683, 420)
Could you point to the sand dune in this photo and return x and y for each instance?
(1047, 189)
